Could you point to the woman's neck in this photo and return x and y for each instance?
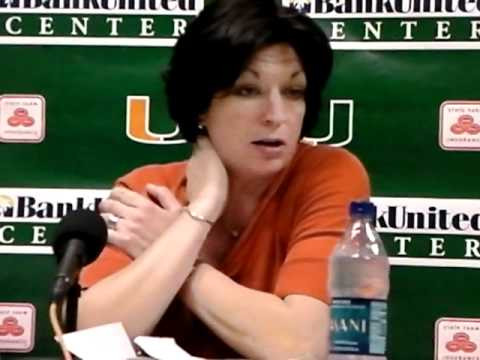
(244, 194)
(247, 189)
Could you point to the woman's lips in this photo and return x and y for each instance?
(269, 142)
(269, 148)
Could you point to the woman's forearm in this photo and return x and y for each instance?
(256, 324)
(139, 294)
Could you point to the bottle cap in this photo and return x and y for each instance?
(363, 208)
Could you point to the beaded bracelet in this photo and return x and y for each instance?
(196, 216)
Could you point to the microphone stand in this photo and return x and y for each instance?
(71, 309)
(69, 312)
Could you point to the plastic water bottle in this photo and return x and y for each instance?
(359, 286)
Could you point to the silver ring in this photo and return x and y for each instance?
(112, 221)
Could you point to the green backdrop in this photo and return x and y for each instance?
(395, 85)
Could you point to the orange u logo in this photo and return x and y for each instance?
(138, 124)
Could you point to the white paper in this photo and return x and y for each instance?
(108, 342)
(162, 348)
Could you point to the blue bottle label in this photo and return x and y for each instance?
(358, 326)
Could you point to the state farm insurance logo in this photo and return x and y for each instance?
(10, 326)
(17, 327)
(460, 125)
(461, 342)
(457, 338)
(465, 125)
(303, 6)
(22, 118)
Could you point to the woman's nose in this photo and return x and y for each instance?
(276, 110)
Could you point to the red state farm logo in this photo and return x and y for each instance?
(10, 326)
(459, 128)
(20, 117)
(461, 342)
(17, 327)
(465, 124)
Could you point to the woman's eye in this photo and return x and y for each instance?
(295, 93)
(246, 91)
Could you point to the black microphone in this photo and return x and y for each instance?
(79, 239)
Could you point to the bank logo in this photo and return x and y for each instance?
(17, 327)
(428, 216)
(6, 205)
(303, 6)
(31, 205)
(107, 7)
(403, 222)
(138, 124)
(459, 128)
(457, 338)
(22, 118)
(92, 24)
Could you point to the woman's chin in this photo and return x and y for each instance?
(259, 170)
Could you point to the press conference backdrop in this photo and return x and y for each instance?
(82, 102)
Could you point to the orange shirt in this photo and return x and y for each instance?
(284, 249)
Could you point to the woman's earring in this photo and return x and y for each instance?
(202, 130)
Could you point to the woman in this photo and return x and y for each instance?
(228, 252)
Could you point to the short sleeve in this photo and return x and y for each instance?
(138, 179)
(109, 262)
(320, 217)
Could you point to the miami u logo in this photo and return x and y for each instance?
(335, 122)
(138, 124)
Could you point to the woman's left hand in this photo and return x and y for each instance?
(137, 220)
(207, 180)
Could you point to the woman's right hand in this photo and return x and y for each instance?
(140, 220)
(207, 180)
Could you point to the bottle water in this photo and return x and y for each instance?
(359, 286)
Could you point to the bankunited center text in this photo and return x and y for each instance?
(400, 7)
(29, 207)
(399, 217)
(113, 5)
(322, 7)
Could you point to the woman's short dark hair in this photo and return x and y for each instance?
(218, 45)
